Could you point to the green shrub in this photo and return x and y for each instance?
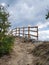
(6, 45)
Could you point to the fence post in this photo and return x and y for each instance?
(16, 31)
(19, 31)
(29, 31)
(37, 32)
(23, 32)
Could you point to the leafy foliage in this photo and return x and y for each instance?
(4, 24)
(6, 45)
(6, 41)
(47, 16)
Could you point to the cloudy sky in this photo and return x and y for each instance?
(29, 12)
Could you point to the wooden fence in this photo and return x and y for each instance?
(26, 31)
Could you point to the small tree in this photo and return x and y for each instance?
(6, 41)
(4, 24)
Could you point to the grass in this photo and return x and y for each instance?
(41, 53)
(6, 45)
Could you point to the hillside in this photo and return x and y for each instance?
(41, 53)
(24, 53)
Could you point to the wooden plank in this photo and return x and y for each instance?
(32, 31)
(16, 31)
(33, 35)
(28, 31)
(37, 33)
(19, 31)
(30, 27)
(23, 31)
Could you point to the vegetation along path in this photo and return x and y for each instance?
(22, 54)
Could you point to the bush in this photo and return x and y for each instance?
(6, 45)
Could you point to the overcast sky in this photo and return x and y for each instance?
(29, 12)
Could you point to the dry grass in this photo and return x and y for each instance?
(26, 53)
(41, 53)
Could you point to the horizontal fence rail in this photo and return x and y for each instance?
(26, 31)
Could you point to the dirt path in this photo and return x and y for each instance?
(20, 55)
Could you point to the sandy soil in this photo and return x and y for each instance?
(20, 55)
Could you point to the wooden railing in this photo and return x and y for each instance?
(26, 31)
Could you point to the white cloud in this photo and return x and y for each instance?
(29, 10)
(21, 11)
(43, 25)
(44, 35)
(3, 4)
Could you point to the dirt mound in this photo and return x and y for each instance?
(41, 53)
(27, 53)
(20, 54)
